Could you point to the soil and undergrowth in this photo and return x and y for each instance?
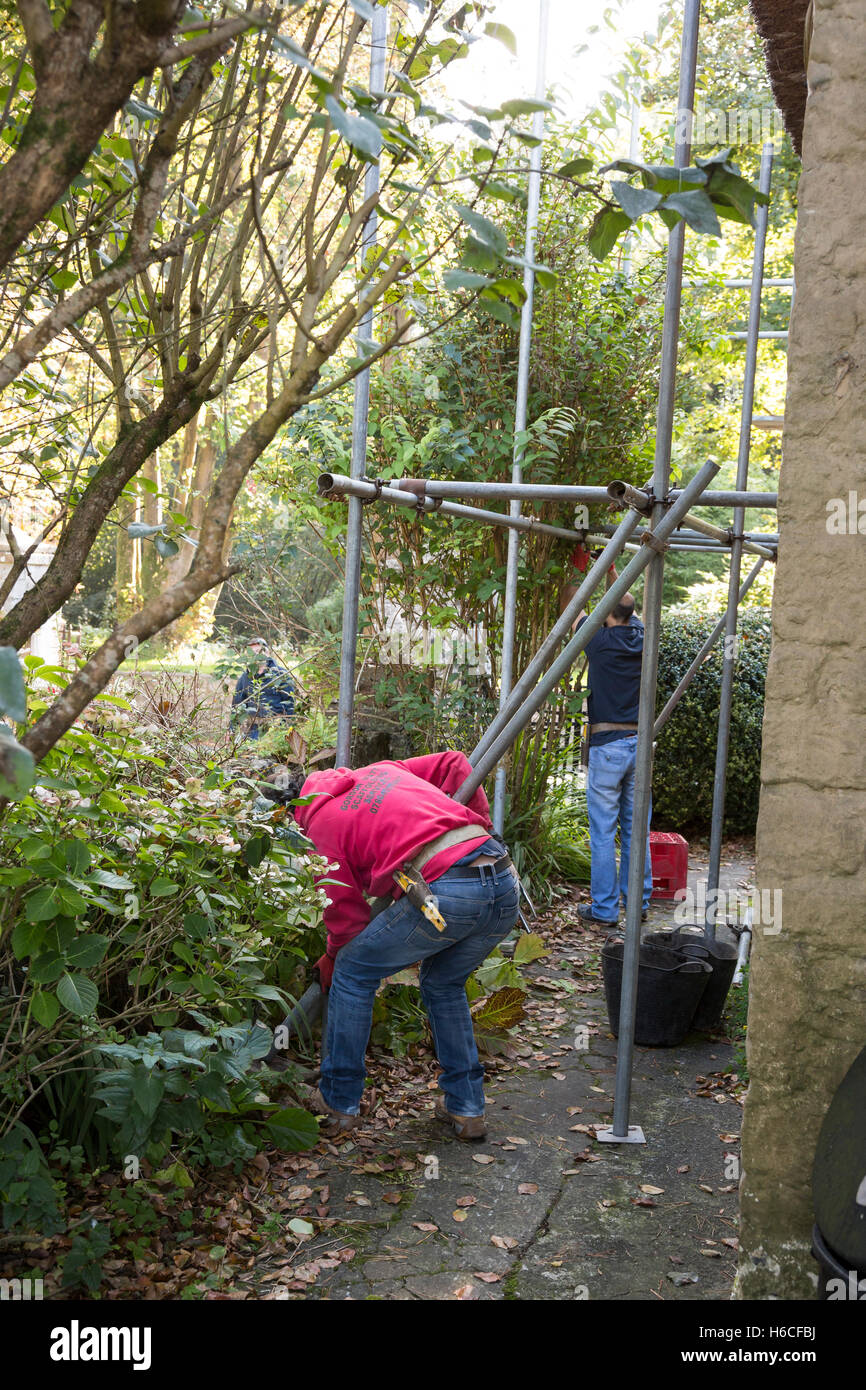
(400, 1209)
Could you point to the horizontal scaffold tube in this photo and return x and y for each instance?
(519, 714)
(337, 485)
(560, 492)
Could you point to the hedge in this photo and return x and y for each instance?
(686, 753)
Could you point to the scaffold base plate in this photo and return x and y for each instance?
(606, 1135)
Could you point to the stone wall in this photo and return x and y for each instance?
(807, 1018)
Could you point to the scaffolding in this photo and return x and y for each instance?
(657, 519)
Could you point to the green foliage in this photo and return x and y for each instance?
(684, 765)
(736, 1021)
(149, 917)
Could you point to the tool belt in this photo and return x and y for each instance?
(609, 728)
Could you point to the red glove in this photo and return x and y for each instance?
(580, 558)
(324, 969)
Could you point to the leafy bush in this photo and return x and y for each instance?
(149, 917)
(686, 753)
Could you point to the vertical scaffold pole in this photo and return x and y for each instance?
(729, 649)
(620, 1131)
(532, 205)
(349, 642)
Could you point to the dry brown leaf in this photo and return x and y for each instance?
(465, 1291)
(513, 1139)
(460, 1215)
(299, 1194)
(731, 1241)
(483, 1158)
(717, 1253)
(704, 1188)
(650, 1190)
(393, 1197)
(684, 1168)
(466, 1201)
(527, 1189)
(488, 1278)
(425, 1226)
(503, 1242)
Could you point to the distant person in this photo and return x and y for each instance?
(615, 655)
(264, 691)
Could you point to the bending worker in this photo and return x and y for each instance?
(615, 654)
(398, 817)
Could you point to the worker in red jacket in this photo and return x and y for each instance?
(398, 817)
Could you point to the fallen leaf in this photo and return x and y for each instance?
(731, 1241)
(460, 1215)
(503, 1242)
(527, 1189)
(393, 1197)
(465, 1291)
(488, 1278)
(717, 1253)
(680, 1279)
(558, 1075)
(299, 1194)
(642, 1201)
(581, 1129)
(466, 1201)
(729, 1138)
(425, 1226)
(574, 1110)
(651, 1191)
(483, 1158)
(513, 1139)
(684, 1168)
(704, 1188)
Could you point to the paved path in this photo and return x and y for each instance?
(541, 1210)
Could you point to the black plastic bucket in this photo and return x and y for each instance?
(837, 1282)
(722, 958)
(669, 990)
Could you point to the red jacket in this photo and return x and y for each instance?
(372, 819)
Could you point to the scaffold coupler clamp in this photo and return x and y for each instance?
(651, 539)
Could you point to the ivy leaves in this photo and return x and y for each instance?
(712, 188)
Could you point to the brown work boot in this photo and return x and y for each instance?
(470, 1128)
(336, 1121)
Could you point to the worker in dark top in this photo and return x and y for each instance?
(264, 691)
(615, 654)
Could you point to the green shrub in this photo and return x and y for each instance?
(686, 753)
(149, 917)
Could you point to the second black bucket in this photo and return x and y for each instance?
(669, 990)
(722, 958)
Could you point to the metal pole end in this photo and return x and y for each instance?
(624, 495)
(325, 484)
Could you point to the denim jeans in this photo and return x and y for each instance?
(610, 801)
(479, 911)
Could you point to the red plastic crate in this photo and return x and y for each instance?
(670, 863)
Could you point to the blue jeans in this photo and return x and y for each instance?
(479, 911)
(610, 801)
